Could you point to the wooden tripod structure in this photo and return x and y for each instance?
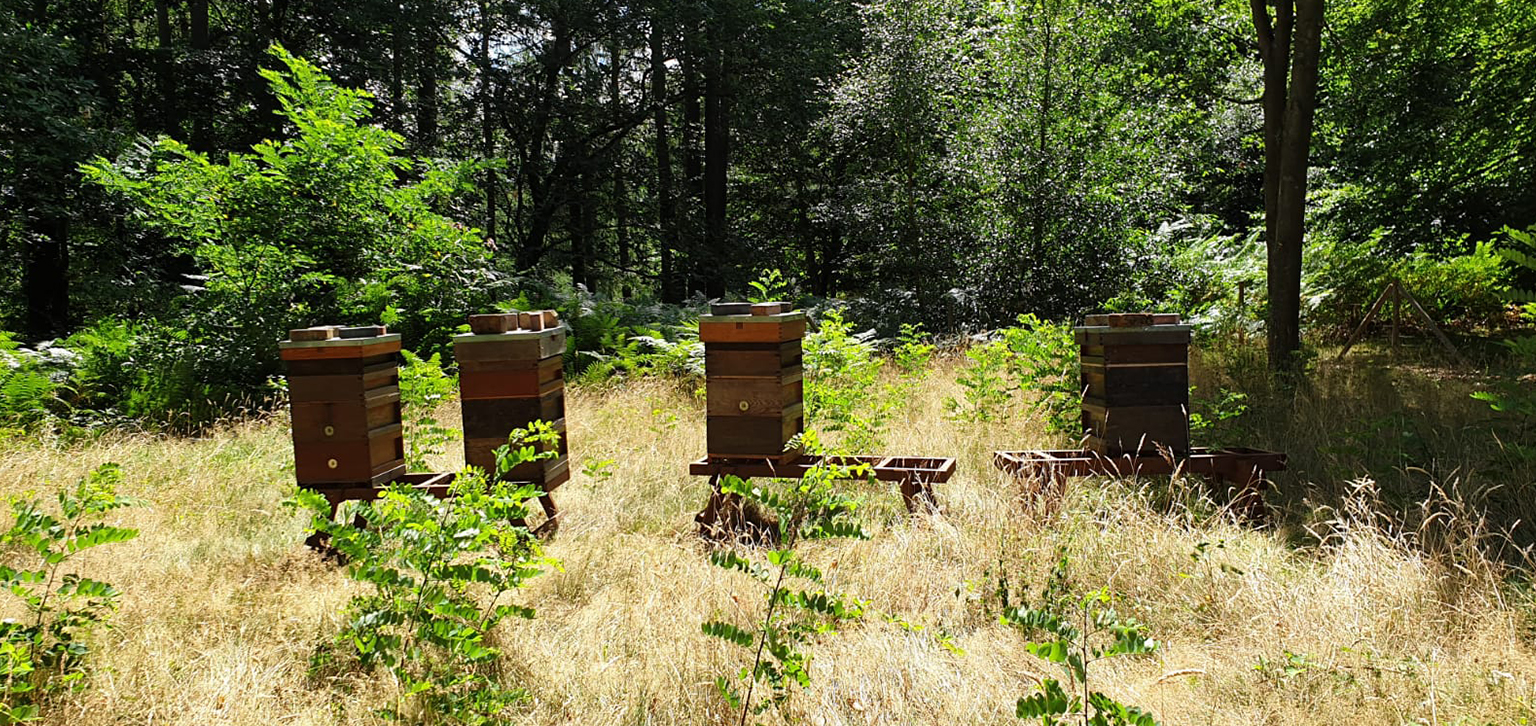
(1397, 294)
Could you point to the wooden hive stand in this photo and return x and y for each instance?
(512, 373)
(755, 408)
(1135, 413)
(344, 393)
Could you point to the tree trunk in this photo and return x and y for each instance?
(397, 71)
(165, 83)
(666, 206)
(45, 282)
(583, 219)
(201, 77)
(426, 88)
(617, 170)
(717, 153)
(1289, 45)
(693, 181)
(487, 125)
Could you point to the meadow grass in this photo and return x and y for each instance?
(1386, 593)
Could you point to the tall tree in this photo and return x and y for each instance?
(1289, 41)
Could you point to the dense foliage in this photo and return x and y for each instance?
(953, 163)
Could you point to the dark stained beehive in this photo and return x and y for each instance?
(1135, 369)
(344, 391)
(753, 380)
(511, 373)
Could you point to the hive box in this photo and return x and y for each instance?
(1135, 377)
(755, 394)
(511, 373)
(344, 389)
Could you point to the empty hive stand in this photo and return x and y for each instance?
(1135, 369)
(753, 380)
(511, 373)
(344, 389)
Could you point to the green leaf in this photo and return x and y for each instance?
(728, 632)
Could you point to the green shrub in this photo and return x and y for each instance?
(798, 607)
(1037, 357)
(440, 572)
(842, 376)
(1344, 278)
(106, 370)
(423, 388)
(28, 384)
(46, 652)
(1074, 633)
(320, 227)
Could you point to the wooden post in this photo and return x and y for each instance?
(1397, 314)
(1369, 316)
(1417, 308)
(1242, 312)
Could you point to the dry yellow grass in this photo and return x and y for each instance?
(224, 606)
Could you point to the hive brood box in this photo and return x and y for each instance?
(1135, 375)
(511, 373)
(344, 391)
(755, 395)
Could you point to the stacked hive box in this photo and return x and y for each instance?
(511, 373)
(344, 387)
(753, 381)
(1135, 369)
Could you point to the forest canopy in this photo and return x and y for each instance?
(193, 177)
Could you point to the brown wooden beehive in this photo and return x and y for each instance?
(1135, 377)
(755, 396)
(511, 373)
(344, 391)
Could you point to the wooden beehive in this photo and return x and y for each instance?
(511, 373)
(752, 378)
(1135, 369)
(344, 391)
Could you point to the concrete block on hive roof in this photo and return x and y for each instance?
(770, 308)
(492, 323)
(361, 331)
(734, 308)
(318, 332)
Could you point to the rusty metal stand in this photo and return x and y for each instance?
(724, 511)
(1242, 469)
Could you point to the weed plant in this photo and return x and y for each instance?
(47, 652)
(442, 573)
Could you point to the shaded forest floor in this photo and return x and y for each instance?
(1384, 594)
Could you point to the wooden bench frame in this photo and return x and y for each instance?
(1242, 468)
(915, 474)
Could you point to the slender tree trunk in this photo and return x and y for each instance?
(666, 206)
(717, 154)
(164, 74)
(617, 170)
(693, 171)
(45, 283)
(397, 33)
(487, 125)
(197, 11)
(200, 78)
(426, 88)
(1289, 45)
(583, 218)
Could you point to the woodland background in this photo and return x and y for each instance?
(952, 163)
